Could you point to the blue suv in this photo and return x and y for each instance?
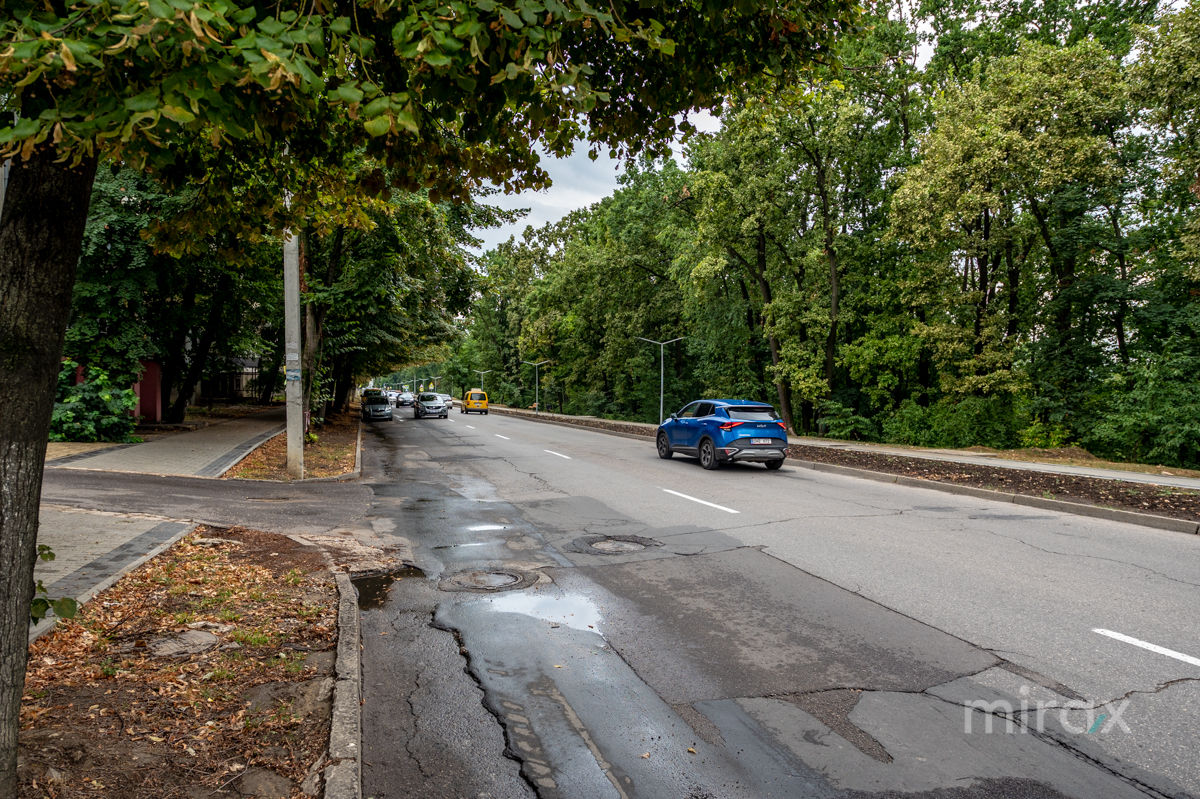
(720, 430)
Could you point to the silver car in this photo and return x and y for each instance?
(375, 407)
(430, 404)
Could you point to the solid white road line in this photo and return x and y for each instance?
(702, 502)
(559, 454)
(1162, 650)
(506, 438)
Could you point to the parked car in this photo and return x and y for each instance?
(448, 401)
(404, 399)
(724, 430)
(429, 404)
(376, 406)
(372, 392)
(474, 401)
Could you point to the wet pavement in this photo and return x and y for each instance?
(550, 642)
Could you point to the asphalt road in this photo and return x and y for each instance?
(592, 621)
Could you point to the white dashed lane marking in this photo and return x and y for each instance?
(702, 502)
(1161, 650)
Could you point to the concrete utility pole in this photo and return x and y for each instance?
(537, 404)
(291, 328)
(661, 374)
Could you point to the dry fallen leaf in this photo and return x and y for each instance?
(645, 755)
(557, 666)
(691, 751)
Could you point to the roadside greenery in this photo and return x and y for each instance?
(94, 409)
(982, 235)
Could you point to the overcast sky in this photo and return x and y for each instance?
(577, 182)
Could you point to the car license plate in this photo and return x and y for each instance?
(760, 441)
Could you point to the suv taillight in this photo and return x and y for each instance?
(730, 425)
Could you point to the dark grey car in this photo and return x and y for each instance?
(429, 404)
(376, 407)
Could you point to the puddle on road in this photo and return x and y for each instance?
(373, 590)
(572, 611)
(478, 528)
(464, 546)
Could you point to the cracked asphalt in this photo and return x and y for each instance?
(742, 633)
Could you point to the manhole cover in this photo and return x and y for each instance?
(611, 544)
(487, 580)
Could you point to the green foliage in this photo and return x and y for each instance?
(840, 421)
(1154, 415)
(952, 422)
(997, 249)
(94, 410)
(1044, 436)
(43, 604)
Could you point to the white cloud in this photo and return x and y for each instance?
(576, 182)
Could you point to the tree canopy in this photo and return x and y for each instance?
(995, 247)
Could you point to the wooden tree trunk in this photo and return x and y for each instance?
(41, 232)
(177, 410)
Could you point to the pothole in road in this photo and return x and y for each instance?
(487, 581)
(373, 588)
(611, 544)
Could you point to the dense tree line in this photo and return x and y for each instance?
(379, 287)
(981, 235)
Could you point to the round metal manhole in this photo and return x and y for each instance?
(487, 581)
(612, 544)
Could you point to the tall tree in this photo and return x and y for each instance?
(449, 98)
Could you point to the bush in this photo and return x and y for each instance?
(1044, 436)
(1153, 416)
(94, 410)
(840, 421)
(954, 422)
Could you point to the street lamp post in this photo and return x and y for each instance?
(481, 373)
(661, 369)
(537, 405)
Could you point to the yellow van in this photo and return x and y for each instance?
(474, 400)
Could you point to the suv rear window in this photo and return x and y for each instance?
(749, 413)
(477, 396)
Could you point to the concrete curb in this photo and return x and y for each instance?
(1062, 506)
(351, 475)
(226, 462)
(343, 775)
(559, 419)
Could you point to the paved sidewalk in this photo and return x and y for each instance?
(206, 452)
(92, 549)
